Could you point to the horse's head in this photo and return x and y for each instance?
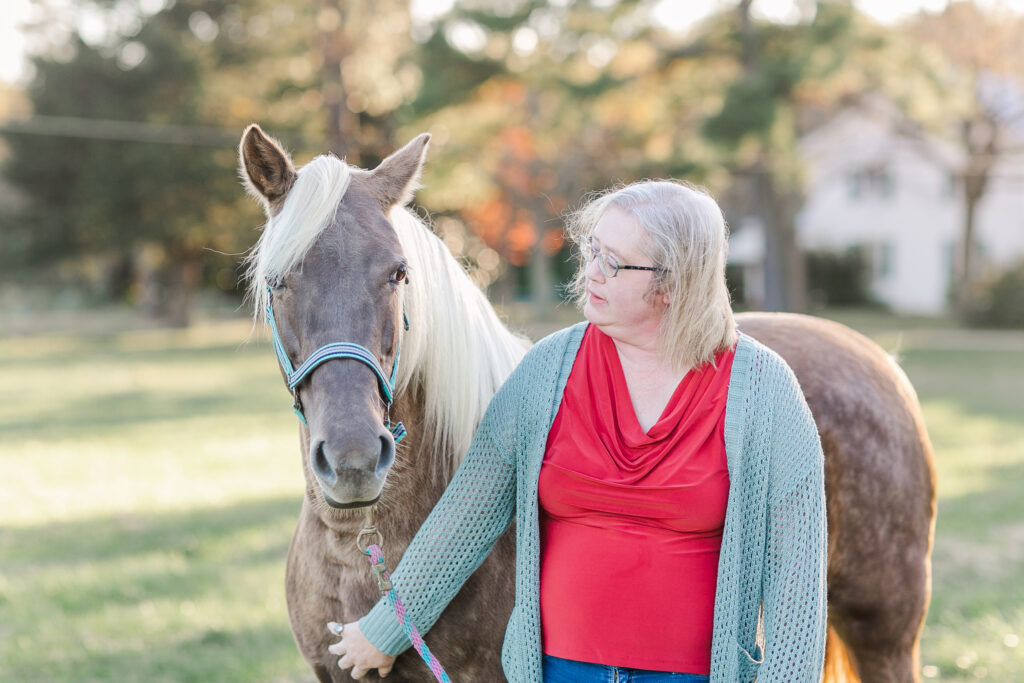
(329, 268)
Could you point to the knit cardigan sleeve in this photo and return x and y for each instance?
(795, 545)
(475, 509)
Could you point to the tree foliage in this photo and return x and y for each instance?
(532, 104)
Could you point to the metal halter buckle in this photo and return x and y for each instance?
(368, 536)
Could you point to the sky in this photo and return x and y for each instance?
(16, 12)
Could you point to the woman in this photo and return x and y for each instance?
(663, 470)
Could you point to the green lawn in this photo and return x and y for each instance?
(150, 480)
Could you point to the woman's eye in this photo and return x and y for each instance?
(398, 275)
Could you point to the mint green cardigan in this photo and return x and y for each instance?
(769, 617)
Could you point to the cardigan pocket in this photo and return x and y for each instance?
(749, 662)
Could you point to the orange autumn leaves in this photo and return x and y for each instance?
(526, 208)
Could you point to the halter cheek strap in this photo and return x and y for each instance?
(336, 351)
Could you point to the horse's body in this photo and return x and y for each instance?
(879, 476)
(879, 492)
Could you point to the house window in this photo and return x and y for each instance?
(949, 188)
(853, 184)
(875, 181)
(884, 183)
(885, 259)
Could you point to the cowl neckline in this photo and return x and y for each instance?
(671, 447)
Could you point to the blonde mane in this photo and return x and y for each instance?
(456, 353)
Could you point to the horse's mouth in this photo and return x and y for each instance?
(348, 506)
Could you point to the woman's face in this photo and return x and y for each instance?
(618, 305)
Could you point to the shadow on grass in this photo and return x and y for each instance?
(93, 576)
(110, 537)
(136, 407)
(175, 556)
(989, 383)
(265, 653)
(113, 349)
(977, 559)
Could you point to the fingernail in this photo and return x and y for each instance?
(335, 628)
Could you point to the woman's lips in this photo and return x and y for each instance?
(594, 297)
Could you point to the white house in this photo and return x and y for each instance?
(869, 185)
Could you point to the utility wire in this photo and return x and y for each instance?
(127, 131)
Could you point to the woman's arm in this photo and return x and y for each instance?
(475, 509)
(796, 544)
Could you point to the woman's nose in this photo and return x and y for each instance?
(593, 270)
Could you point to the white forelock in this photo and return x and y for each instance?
(288, 236)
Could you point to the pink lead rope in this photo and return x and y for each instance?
(380, 571)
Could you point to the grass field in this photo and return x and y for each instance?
(150, 481)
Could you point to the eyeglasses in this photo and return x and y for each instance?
(608, 264)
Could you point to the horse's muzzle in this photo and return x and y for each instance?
(352, 476)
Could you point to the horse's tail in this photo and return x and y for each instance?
(838, 665)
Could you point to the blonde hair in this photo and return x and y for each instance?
(685, 234)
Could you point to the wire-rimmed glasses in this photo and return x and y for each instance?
(607, 262)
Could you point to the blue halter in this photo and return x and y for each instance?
(332, 351)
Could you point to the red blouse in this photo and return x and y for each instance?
(631, 522)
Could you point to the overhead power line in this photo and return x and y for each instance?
(125, 131)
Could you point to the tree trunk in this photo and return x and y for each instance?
(340, 124)
(784, 277)
(185, 272)
(981, 142)
(542, 295)
(784, 270)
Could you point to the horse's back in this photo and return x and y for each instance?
(879, 479)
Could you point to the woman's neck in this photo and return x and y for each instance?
(639, 353)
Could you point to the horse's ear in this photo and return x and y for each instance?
(397, 177)
(266, 169)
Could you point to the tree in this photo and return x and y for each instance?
(109, 95)
(90, 196)
(783, 70)
(980, 78)
(547, 102)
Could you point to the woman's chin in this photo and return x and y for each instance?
(593, 314)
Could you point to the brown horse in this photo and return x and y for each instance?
(879, 492)
(342, 260)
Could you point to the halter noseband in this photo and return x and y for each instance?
(332, 351)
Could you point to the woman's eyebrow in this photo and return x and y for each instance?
(597, 243)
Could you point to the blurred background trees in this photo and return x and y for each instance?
(125, 169)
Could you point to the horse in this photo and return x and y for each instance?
(342, 259)
(879, 493)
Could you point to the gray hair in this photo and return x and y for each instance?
(685, 234)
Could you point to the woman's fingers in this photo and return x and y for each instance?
(355, 651)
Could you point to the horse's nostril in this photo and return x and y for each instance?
(387, 455)
(321, 467)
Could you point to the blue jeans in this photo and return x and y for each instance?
(558, 670)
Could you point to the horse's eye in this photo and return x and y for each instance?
(276, 283)
(398, 275)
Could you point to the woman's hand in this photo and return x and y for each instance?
(357, 652)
